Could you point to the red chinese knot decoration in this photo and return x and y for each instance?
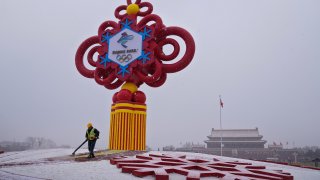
(132, 51)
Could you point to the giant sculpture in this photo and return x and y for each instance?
(129, 53)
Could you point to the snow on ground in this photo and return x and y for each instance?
(85, 170)
(57, 170)
(32, 155)
(297, 172)
(103, 169)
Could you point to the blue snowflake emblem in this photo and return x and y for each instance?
(105, 60)
(123, 70)
(106, 38)
(126, 24)
(144, 57)
(146, 33)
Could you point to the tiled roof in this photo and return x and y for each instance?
(235, 133)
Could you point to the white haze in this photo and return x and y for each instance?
(262, 56)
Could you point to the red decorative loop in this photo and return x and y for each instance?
(114, 85)
(161, 55)
(85, 45)
(106, 25)
(104, 77)
(190, 49)
(148, 11)
(118, 10)
(130, 2)
(90, 55)
(152, 17)
(154, 77)
(160, 81)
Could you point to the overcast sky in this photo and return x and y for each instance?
(263, 57)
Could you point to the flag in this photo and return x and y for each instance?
(274, 143)
(280, 143)
(221, 103)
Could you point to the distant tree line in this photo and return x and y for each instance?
(308, 154)
(29, 143)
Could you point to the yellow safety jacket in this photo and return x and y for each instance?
(91, 135)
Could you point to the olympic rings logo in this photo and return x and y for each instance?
(124, 58)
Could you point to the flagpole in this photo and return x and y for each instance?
(220, 128)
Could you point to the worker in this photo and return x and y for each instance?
(92, 135)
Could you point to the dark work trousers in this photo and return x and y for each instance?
(91, 144)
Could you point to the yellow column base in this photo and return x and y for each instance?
(128, 127)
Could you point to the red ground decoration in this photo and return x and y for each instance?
(161, 166)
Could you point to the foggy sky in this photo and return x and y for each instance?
(263, 57)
